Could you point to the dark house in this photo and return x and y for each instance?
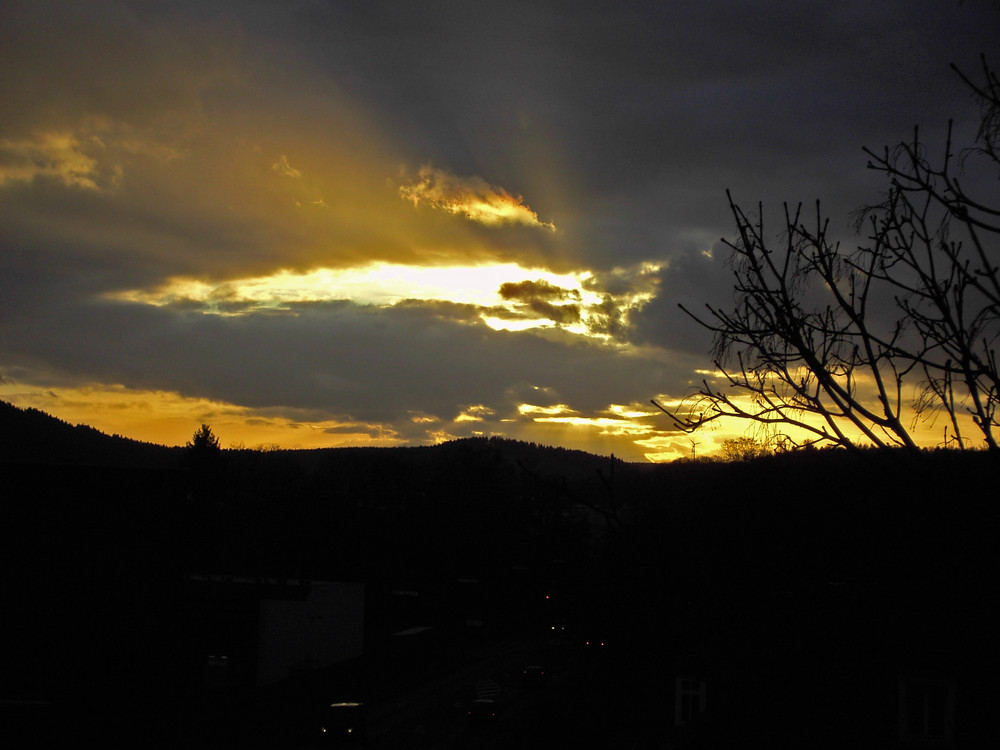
(251, 632)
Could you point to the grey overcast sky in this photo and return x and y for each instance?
(395, 223)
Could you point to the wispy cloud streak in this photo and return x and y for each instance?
(55, 155)
(471, 197)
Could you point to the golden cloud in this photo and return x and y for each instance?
(475, 413)
(471, 197)
(285, 169)
(560, 410)
(57, 155)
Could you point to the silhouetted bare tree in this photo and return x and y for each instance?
(935, 243)
(824, 339)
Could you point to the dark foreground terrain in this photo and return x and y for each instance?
(814, 600)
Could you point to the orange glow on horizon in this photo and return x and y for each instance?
(170, 419)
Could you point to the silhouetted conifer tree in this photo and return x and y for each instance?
(203, 453)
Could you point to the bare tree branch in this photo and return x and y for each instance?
(805, 345)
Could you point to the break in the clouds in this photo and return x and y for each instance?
(470, 197)
(502, 296)
(216, 211)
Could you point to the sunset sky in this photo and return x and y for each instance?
(324, 223)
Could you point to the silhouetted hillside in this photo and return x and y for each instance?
(34, 437)
(819, 573)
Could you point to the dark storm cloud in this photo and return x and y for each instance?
(651, 110)
(691, 280)
(535, 290)
(540, 299)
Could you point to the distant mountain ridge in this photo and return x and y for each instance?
(30, 436)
